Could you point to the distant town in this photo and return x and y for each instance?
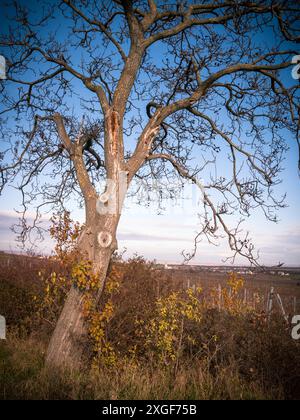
(244, 270)
(278, 270)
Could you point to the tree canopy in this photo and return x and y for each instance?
(203, 90)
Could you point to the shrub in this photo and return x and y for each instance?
(150, 337)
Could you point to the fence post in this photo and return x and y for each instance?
(2, 328)
(254, 301)
(270, 303)
(219, 297)
(282, 307)
(245, 296)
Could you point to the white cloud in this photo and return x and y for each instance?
(164, 237)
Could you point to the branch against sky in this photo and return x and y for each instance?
(203, 89)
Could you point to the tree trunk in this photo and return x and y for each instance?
(98, 243)
(69, 339)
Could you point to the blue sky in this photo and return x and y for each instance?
(163, 236)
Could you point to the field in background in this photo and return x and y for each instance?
(284, 280)
(161, 339)
(22, 270)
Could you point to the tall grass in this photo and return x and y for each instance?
(210, 354)
(23, 376)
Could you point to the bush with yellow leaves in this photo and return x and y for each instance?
(74, 270)
(98, 320)
(229, 298)
(142, 315)
(57, 284)
(165, 334)
(65, 233)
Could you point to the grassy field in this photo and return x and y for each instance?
(259, 282)
(160, 339)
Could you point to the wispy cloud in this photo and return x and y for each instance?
(165, 237)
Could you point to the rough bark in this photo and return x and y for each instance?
(67, 342)
(69, 339)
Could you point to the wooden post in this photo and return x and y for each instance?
(270, 303)
(245, 296)
(2, 328)
(254, 301)
(282, 307)
(295, 305)
(219, 297)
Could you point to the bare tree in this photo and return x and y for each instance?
(122, 89)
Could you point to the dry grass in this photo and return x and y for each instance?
(22, 376)
(222, 356)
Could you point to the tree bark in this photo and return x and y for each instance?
(69, 340)
(98, 242)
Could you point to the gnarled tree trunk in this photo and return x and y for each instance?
(97, 243)
(70, 337)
